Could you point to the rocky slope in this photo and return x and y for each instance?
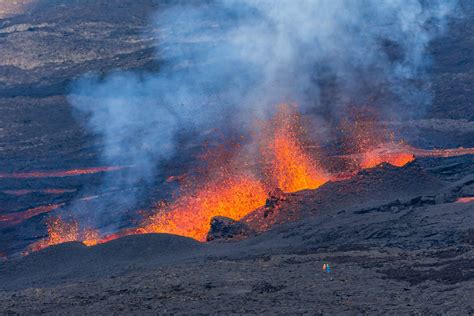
(396, 238)
(416, 248)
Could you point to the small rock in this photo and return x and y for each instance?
(273, 201)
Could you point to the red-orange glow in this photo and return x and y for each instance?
(376, 157)
(90, 237)
(234, 182)
(234, 194)
(400, 154)
(16, 218)
(190, 215)
(122, 233)
(290, 167)
(61, 231)
(467, 199)
(371, 142)
(59, 174)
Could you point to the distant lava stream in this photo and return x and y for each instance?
(59, 174)
(400, 154)
(18, 217)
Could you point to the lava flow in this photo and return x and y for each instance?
(231, 187)
(400, 154)
(290, 167)
(233, 193)
(58, 174)
(381, 155)
(61, 231)
(228, 189)
(190, 215)
(18, 217)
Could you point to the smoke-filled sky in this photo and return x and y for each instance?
(224, 63)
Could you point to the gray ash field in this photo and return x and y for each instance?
(399, 240)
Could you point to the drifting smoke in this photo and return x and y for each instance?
(225, 63)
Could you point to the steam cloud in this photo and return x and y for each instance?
(226, 62)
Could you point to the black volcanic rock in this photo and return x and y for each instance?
(275, 197)
(225, 228)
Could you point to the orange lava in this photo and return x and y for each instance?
(121, 233)
(290, 167)
(376, 157)
(372, 143)
(233, 193)
(61, 231)
(91, 237)
(400, 154)
(467, 199)
(190, 215)
(18, 217)
(59, 174)
(231, 187)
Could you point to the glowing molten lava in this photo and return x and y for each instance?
(289, 165)
(234, 194)
(376, 157)
(235, 183)
(60, 231)
(18, 217)
(190, 215)
(372, 143)
(400, 154)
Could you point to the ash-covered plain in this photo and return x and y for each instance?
(398, 239)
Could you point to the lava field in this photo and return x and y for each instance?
(230, 199)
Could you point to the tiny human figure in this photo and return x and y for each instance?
(326, 268)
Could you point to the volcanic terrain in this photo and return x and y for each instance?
(397, 229)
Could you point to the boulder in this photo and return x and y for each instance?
(225, 228)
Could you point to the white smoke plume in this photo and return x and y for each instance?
(226, 62)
